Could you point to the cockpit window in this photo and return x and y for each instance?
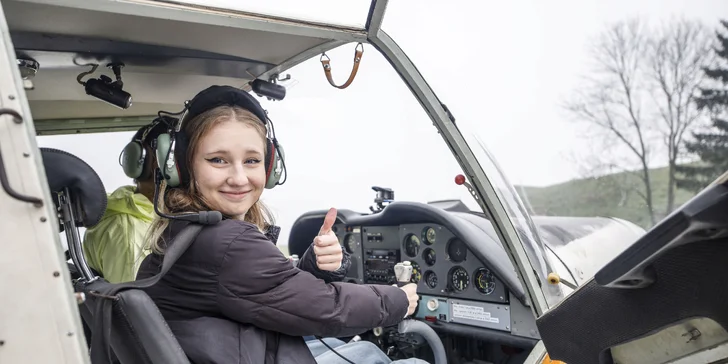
(352, 13)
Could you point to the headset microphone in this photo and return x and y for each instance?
(202, 217)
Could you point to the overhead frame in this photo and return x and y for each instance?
(214, 16)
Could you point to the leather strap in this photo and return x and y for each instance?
(357, 60)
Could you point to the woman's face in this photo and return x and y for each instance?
(229, 167)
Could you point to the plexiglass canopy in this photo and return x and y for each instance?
(349, 13)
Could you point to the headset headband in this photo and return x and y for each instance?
(150, 127)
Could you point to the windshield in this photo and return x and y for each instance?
(517, 212)
(350, 13)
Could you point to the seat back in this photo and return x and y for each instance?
(138, 332)
(134, 328)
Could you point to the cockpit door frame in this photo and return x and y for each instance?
(39, 314)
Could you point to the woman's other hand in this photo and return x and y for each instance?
(326, 245)
(411, 291)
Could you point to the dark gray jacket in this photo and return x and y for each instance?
(233, 297)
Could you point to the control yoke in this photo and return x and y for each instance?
(403, 272)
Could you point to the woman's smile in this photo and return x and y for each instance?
(235, 195)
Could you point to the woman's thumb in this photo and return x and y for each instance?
(329, 222)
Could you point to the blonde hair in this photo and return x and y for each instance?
(188, 199)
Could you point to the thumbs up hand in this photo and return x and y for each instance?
(326, 245)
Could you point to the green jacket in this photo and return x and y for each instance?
(114, 247)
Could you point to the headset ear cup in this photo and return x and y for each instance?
(269, 161)
(273, 161)
(130, 160)
(169, 170)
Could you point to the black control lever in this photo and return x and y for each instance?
(37, 202)
(403, 272)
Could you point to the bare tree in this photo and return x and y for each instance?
(611, 99)
(642, 93)
(678, 51)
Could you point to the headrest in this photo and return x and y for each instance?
(65, 170)
(215, 96)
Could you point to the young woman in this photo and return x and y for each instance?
(233, 297)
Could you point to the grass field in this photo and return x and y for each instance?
(615, 195)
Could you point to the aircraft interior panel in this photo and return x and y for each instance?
(466, 283)
(350, 239)
(447, 267)
(454, 285)
(381, 251)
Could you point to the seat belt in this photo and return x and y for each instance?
(105, 291)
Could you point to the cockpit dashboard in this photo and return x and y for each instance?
(466, 282)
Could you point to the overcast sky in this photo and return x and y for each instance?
(503, 68)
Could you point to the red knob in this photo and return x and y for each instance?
(459, 179)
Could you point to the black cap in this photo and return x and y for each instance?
(215, 96)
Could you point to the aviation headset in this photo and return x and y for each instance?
(134, 156)
(172, 146)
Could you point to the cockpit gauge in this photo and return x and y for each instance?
(350, 243)
(458, 279)
(430, 235)
(431, 279)
(456, 250)
(416, 273)
(411, 245)
(429, 256)
(484, 281)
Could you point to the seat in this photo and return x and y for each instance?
(132, 327)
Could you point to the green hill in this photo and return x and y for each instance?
(614, 195)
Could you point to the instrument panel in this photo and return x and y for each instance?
(464, 276)
(444, 266)
(442, 263)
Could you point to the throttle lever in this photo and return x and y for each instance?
(403, 273)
